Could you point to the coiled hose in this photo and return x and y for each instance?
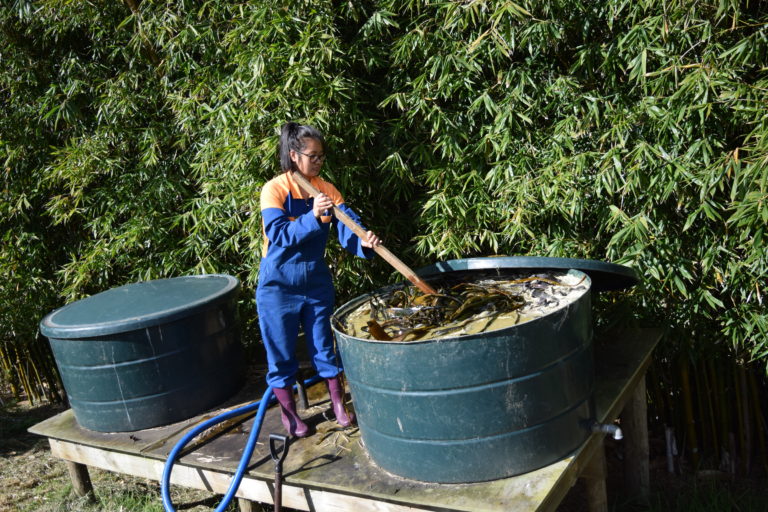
(262, 405)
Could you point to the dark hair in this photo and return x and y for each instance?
(292, 137)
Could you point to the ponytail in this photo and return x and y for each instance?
(292, 137)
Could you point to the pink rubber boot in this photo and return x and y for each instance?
(291, 420)
(337, 399)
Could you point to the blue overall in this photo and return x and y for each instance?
(295, 285)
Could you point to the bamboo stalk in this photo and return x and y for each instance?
(360, 232)
(690, 422)
(26, 365)
(32, 362)
(56, 385)
(701, 406)
(738, 438)
(8, 369)
(40, 384)
(661, 389)
(656, 392)
(715, 394)
(726, 407)
(715, 446)
(23, 377)
(762, 429)
(731, 408)
(46, 364)
(4, 362)
(671, 448)
(732, 449)
(746, 446)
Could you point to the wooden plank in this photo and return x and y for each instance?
(81, 480)
(143, 467)
(246, 505)
(634, 423)
(594, 475)
(574, 467)
(217, 482)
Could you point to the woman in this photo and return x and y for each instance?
(295, 284)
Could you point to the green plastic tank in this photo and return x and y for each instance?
(150, 353)
(478, 407)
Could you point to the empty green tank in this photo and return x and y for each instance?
(150, 353)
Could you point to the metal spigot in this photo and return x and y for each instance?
(606, 428)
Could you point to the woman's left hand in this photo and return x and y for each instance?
(372, 241)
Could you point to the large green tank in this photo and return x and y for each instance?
(475, 407)
(149, 353)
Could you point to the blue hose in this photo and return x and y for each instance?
(262, 405)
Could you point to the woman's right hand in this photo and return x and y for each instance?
(321, 205)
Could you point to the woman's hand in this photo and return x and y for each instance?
(372, 241)
(321, 205)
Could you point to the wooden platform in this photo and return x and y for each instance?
(331, 470)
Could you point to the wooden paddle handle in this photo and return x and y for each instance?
(359, 231)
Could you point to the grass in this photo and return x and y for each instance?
(34, 481)
(712, 497)
(124, 494)
(677, 493)
(52, 492)
(116, 493)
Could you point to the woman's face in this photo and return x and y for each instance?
(310, 159)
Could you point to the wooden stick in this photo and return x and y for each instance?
(81, 480)
(594, 478)
(246, 505)
(634, 423)
(359, 231)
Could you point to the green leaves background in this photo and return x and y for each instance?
(135, 137)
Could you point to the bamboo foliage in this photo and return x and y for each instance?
(614, 131)
(135, 137)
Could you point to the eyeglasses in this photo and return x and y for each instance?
(313, 158)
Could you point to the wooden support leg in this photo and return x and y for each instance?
(81, 480)
(303, 402)
(246, 505)
(634, 424)
(594, 479)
